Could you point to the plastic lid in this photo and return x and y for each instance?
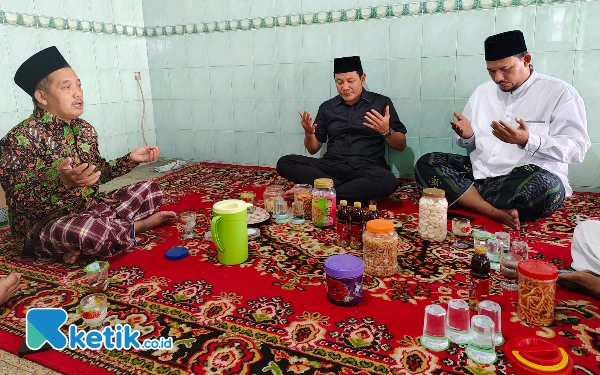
(344, 266)
(480, 249)
(380, 226)
(537, 269)
(372, 207)
(96, 266)
(274, 187)
(535, 355)
(482, 235)
(343, 203)
(323, 183)
(176, 253)
(357, 204)
(230, 206)
(434, 193)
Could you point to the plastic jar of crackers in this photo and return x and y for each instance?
(272, 193)
(324, 205)
(433, 215)
(303, 193)
(380, 243)
(537, 287)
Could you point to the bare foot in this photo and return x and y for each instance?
(158, 219)
(508, 217)
(9, 286)
(71, 258)
(289, 195)
(581, 281)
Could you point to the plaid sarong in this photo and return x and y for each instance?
(103, 230)
(533, 191)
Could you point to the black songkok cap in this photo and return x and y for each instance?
(503, 45)
(347, 64)
(38, 67)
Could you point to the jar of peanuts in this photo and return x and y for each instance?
(380, 242)
(324, 203)
(537, 287)
(303, 193)
(433, 215)
(272, 194)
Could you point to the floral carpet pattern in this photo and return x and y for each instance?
(270, 315)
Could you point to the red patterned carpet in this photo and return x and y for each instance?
(270, 315)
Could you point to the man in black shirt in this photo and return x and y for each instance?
(356, 125)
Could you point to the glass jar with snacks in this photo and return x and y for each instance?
(324, 203)
(433, 215)
(272, 194)
(303, 193)
(380, 243)
(481, 238)
(537, 288)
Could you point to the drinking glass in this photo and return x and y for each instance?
(494, 311)
(189, 222)
(509, 261)
(297, 212)
(434, 328)
(481, 348)
(457, 321)
(248, 197)
(97, 276)
(504, 237)
(281, 212)
(495, 247)
(461, 227)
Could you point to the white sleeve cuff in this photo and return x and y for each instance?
(533, 143)
(466, 143)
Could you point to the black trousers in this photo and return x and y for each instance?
(352, 184)
(533, 191)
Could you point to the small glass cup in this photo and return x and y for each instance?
(248, 197)
(94, 308)
(97, 276)
(297, 213)
(494, 247)
(189, 222)
(461, 227)
(458, 322)
(504, 237)
(281, 212)
(494, 311)
(434, 329)
(481, 349)
(509, 260)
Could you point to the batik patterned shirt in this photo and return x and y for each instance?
(29, 158)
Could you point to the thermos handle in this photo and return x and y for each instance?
(214, 228)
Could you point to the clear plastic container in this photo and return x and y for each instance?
(537, 288)
(272, 193)
(324, 203)
(481, 238)
(380, 244)
(303, 193)
(433, 215)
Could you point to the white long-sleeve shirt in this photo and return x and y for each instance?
(557, 123)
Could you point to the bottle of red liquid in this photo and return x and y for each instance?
(356, 226)
(372, 214)
(343, 224)
(480, 277)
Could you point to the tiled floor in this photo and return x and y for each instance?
(12, 364)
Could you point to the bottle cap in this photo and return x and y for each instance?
(480, 249)
(343, 203)
(380, 226)
(357, 204)
(372, 207)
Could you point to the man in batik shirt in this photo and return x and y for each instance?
(50, 168)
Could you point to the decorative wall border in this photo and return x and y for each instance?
(324, 17)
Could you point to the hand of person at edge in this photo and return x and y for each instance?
(145, 154)
(377, 122)
(506, 133)
(462, 126)
(82, 175)
(307, 122)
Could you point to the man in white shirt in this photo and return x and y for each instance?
(522, 131)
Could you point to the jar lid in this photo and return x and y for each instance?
(380, 226)
(323, 183)
(535, 355)
(537, 269)
(482, 235)
(343, 203)
(344, 266)
(302, 186)
(434, 193)
(274, 187)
